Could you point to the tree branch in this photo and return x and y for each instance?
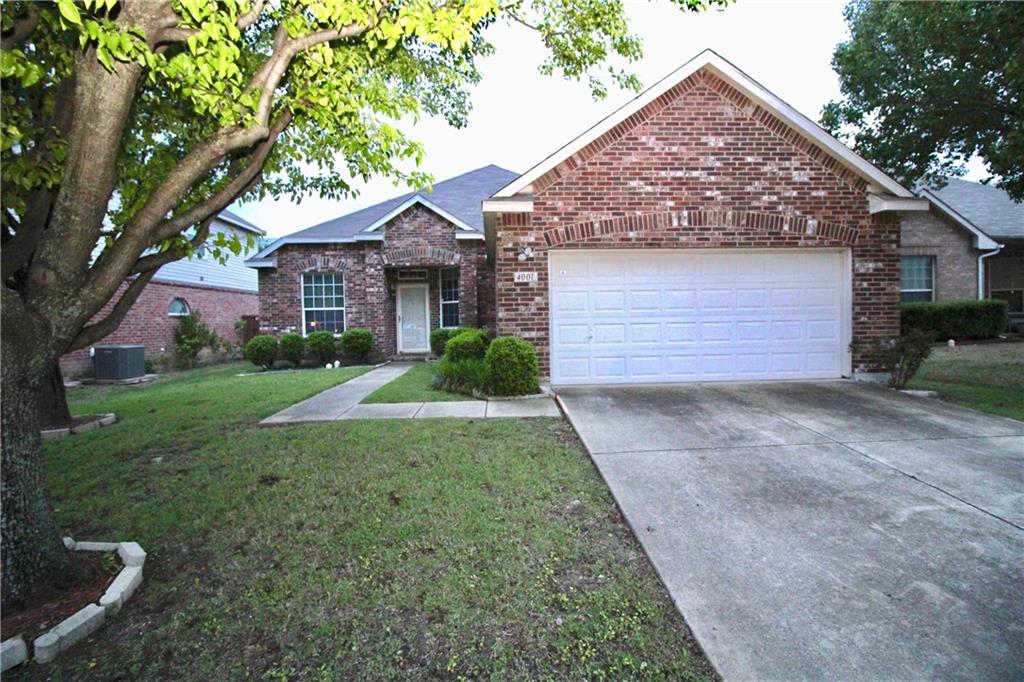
(249, 18)
(22, 29)
(92, 333)
(155, 261)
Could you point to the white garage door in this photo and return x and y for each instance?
(698, 315)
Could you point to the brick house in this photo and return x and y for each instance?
(704, 231)
(221, 293)
(969, 244)
(399, 268)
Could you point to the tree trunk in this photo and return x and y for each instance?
(34, 557)
(53, 400)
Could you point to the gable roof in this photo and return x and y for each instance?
(238, 221)
(987, 208)
(456, 199)
(712, 61)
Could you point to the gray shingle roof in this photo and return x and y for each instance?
(460, 196)
(238, 220)
(990, 209)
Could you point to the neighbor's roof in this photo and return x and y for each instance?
(721, 67)
(986, 206)
(457, 199)
(238, 221)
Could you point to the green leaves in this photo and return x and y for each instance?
(927, 86)
(69, 11)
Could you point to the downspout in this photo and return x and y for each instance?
(981, 270)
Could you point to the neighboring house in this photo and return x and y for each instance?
(221, 293)
(969, 244)
(705, 231)
(399, 268)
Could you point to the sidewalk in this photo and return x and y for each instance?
(343, 402)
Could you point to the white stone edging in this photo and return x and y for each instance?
(545, 392)
(88, 619)
(104, 420)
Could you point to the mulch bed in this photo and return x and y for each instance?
(50, 608)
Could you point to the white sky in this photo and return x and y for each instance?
(520, 116)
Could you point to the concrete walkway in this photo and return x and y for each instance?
(343, 402)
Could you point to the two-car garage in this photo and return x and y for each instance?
(647, 316)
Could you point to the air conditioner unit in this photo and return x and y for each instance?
(119, 362)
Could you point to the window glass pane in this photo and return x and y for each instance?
(450, 314)
(323, 302)
(450, 285)
(916, 273)
(913, 296)
(178, 306)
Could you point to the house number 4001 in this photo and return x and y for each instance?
(525, 277)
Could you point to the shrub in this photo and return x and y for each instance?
(960, 320)
(511, 367)
(292, 347)
(357, 343)
(439, 337)
(469, 343)
(321, 344)
(460, 376)
(261, 351)
(191, 336)
(901, 356)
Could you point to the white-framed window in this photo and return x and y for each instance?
(323, 303)
(917, 278)
(449, 297)
(178, 308)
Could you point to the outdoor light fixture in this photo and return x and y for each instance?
(525, 253)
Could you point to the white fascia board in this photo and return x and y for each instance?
(981, 240)
(363, 237)
(880, 204)
(284, 241)
(261, 262)
(742, 82)
(508, 205)
(412, 201)
(235, 223)
(469, 235)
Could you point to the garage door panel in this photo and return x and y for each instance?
(649, 316)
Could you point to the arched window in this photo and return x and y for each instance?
(323, 302)
(178, 307)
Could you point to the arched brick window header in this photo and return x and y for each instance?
(321, 263)
(769, 223)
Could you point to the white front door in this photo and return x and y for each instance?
(413, 319)
(698, 315)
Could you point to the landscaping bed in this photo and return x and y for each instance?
(358, 549)
(983, 376)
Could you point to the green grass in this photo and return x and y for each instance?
(989, 379)
(358, 549)
(413, 387)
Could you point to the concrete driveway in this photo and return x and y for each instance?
(823, 530)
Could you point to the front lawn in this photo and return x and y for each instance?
(356, 549)
(986, 377)
(413, 387)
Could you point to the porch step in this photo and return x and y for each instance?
(411, 357)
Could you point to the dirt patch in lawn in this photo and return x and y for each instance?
(96, 570)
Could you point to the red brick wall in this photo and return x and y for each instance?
(148, 323)
(418, 238)
(700, 167)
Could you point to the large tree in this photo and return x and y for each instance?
(129, 124)
(928, 85)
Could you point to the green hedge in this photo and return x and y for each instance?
(959, 320)
(357, 343)
(261, 351)
(460, 376)
(292, 347)
(321, 344)
(440, 336)
(511, 366)
(469, 343)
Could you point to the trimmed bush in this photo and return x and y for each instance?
(440, 336)
(460, 376)
(469, 343)
(357, 343)
(191, 335)
(960, 320)
(261, 351)
(321, 344)
(511, 367)
(901, 356)
(292, 347)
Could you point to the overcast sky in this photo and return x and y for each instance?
(520, 116)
